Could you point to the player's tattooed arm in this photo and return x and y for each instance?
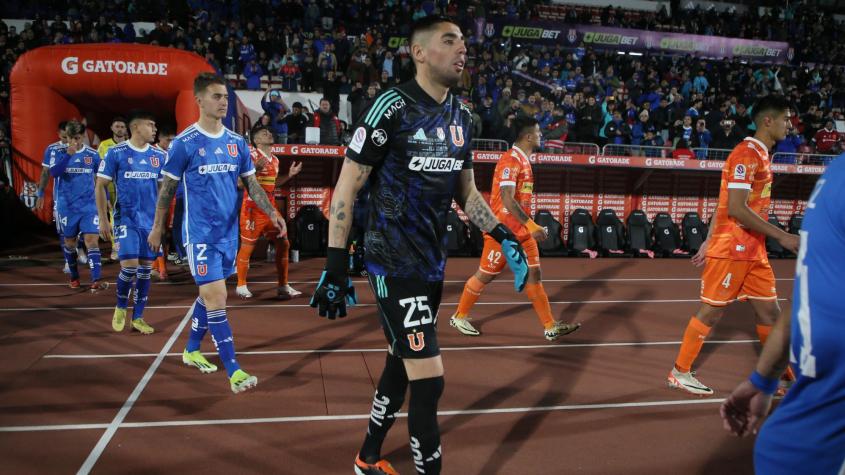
(166, 192)
(45, 178)
(258, 195)
(473, 204)
(352, 177)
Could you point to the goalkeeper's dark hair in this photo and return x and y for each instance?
(427, 24)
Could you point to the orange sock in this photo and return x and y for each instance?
(282, 248)
(243, 262)
(537, 295)
(472, 290)
(694, 337)
(161, 266)
(763, 333)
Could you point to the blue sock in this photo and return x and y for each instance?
(142, 289)
(70, 257)
(221, 334)
(199, 325)
(94, 263)
(124, 285)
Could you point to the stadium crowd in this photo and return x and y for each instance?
(578, 95)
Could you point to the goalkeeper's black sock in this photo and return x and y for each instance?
(387, 401)
(422, 424)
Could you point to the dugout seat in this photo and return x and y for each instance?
(640, 240)
(610, 234)
(553, 245)
(694, 232)
(581, 240)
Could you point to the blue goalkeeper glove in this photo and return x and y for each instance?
(514, 254)
(334, 290)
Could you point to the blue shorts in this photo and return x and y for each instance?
(211, 262)
(70, 226)
(132, 243)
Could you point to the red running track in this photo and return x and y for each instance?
(75, 395)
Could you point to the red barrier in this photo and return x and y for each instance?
(567, 182)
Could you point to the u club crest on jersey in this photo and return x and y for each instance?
(87, 160)
(232, 149)
(457, 134)
(154, 161)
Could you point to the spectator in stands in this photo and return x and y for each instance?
(683, 130)
(555, 134)
(786, 150)
(253, 72)
(360, 100)
(827, 139)
(701, 139)
(682, 151)
(588, 121)
(328, 123)
(296, 121)
(700, 83)
(246, 52)
(651, 143)
(639, 128)
(290, 74)
(726, 137)
(275, 107)
(618, 133)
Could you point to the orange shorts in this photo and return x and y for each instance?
(724, 281)
(492, 260)
(254, 223)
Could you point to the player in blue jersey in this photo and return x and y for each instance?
(207, 160)
(73, 167)
(44, 180)
(806, 433)
(134, 166)
(412, 146)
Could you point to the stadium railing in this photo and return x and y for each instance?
(802, 158)
(582, 148)
(711, 153)
(490, 145)
(637, 150)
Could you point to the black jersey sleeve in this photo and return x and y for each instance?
(375, 129)
(466, 125)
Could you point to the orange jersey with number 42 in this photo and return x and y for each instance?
(513, 169)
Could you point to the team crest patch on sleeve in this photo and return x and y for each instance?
(739, 172)
(358, 140)
(457, 134)
(506, 173)
(232, 149)
(102, 166)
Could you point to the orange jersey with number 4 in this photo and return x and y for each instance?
(747, 168)
(266, 177)
(513, 169)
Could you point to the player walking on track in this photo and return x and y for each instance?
(513, 185)
(736, 266)
(207, 160)
(413, 146)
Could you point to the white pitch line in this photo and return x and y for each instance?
(381, 350)
(98, 449)
(305, 305)
(349, 417)
(314, 282)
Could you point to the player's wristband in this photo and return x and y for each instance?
(337, 260)
(39, 193)
(766, 385)
(532, 226)
(501, 232)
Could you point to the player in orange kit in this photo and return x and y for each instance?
(254, 222)
(510, 198)
(736, 266)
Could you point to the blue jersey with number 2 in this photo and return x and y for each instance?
(806, 433)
